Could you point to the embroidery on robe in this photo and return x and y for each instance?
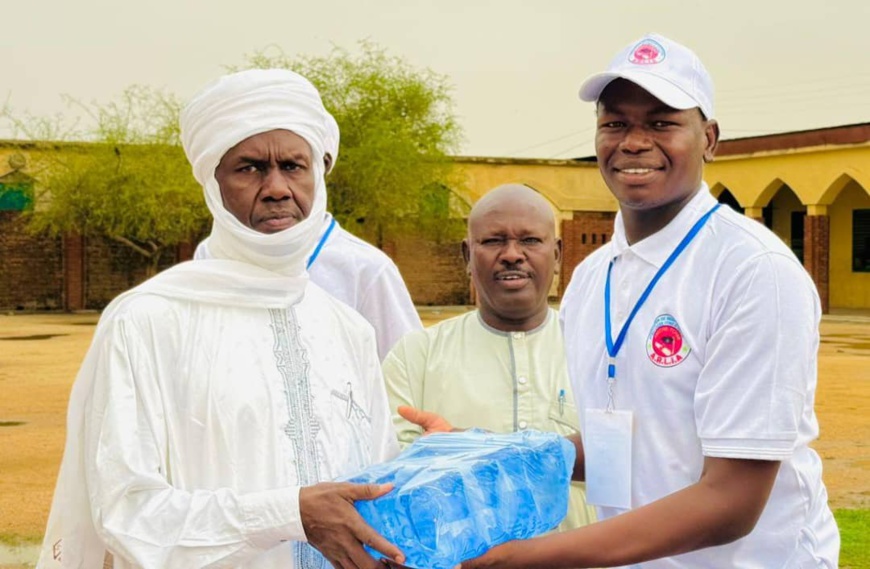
(302, 426)
(352, 407)
(359, 423)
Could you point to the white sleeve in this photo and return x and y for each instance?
(135, 509)
(385, 446)
(387, 304)
(760, 364)
(405, 383)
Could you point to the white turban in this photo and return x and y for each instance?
(330, 140)
(232, 109)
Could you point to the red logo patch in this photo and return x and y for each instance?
(647, 52)
(665, 346)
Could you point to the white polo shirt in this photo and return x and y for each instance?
(720, 361)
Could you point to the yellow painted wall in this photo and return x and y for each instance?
(847, 289)
(570, 186)
(816, 175)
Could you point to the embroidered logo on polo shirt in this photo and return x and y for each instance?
(647, 52)
(665, 346)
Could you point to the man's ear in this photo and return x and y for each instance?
(327, 162)
(711, 133)
(466, 255)
(558, 255)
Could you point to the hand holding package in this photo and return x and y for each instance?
(457, 495)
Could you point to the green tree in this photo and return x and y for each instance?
(126, 177)
(397, 131)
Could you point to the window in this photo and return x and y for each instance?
(15, 196)
(861, 240)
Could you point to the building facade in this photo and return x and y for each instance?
(810, 188)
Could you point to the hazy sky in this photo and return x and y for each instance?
(515, 65)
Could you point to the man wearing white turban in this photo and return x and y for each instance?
(354, 271)
(219, 395)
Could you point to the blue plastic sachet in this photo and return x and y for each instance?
(457, 495)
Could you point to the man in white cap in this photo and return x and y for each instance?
(359, 274)
(218, 396)
(692, 343)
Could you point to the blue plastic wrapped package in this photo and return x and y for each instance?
(457, 495)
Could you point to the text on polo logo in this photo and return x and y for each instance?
(665, 346)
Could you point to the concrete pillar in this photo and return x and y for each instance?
(817, 243)
(73, 272)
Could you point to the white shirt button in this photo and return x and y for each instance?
(517, 335)
(523, 424)
(522, 380)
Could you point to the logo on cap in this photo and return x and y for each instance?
(665, 346)
(647, 52)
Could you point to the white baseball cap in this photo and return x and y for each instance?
(669, 71)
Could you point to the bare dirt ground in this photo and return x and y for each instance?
(40, 354)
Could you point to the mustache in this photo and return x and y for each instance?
(278, 212)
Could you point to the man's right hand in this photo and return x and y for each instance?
(336, 529)
(431, 422)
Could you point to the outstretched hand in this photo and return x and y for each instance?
(336, 529)
(431, 422)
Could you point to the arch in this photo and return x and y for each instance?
(837, 186)
(465, 198)
(784, 214)
(727, 198)
(769, 191)
(717, 189)
(546, 196)
(556, 211)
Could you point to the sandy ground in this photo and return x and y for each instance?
(40, 354)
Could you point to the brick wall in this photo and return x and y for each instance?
(434, 272)
(817, 236)
(31, 267)
(586, 232)
(112, 267)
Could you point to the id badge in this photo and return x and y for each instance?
(607, 446)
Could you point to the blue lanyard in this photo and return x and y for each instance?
(320, 244)
(613, 347)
